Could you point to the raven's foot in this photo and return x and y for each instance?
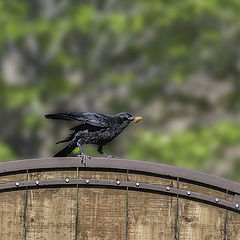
(111, 156)
(84, 159)
(107, 155)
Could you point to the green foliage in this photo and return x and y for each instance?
(16, 97)
(6, 152)
(191, 149)
(126, 56)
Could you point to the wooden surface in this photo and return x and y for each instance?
(52, 175)
(103, 175)
(101, 211)
(109, 213)
(13, 178)
(233, 225)
(201, 189)
(12, 215)
(144, 178)
(51, 211)
(12, 209)
(151, 216)
(200, 221)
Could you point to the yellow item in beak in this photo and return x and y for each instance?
(137, 119)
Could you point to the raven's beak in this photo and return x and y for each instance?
(137, 119)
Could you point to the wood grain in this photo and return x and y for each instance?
(52, 175)
(12, 215)
(233, 225)
(102, 175)
(13, 178)
(51, 212)
(230, 197)
(151, 215)
(111, 213)
(144, 178)
(101, 211)
(204, 190)
(197, 221)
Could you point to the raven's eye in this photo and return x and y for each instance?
(125, 118)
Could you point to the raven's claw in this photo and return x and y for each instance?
(109, 156)
(84, 159)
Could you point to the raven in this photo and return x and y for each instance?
(93, 128)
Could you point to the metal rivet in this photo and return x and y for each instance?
(137, 184)
(37, 182)
(87, 181)
(188, 193)
(17, 184)
(67, 180)
(118, 182)
(217, 200)
(168, 188)
(236, 205)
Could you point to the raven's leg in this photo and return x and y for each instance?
(101, 152)
(83, 156)
(80, 147)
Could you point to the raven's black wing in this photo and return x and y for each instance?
(94, 119)
(81, 127)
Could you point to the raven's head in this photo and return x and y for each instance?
(128, 117)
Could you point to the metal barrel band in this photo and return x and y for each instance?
(121, 165)
(131, 185)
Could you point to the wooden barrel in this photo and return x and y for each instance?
(59, 198)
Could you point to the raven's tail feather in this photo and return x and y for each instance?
(59, 116)
(66, 150)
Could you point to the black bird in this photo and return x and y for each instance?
(93, 128)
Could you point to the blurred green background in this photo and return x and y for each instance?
(176, 63)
